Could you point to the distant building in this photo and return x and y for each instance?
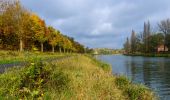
(160, 48)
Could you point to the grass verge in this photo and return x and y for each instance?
(7, 57)
(77, 78)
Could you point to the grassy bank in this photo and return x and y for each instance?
(16, 56)
(77, 78)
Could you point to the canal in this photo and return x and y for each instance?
(154, 72)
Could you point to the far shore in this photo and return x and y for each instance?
(149, 54)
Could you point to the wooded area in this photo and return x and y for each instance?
(148, 41)
(21, 29)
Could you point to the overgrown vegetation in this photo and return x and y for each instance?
(32, 82)
(77, 77)
(133, 91)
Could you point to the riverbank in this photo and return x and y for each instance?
(77, 77)
(149, 55)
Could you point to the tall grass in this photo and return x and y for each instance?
(16, 56)
(75, 78)
(134, 91)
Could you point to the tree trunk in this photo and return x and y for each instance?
(69, 51)
(64, 50)
(21, 45)
(53, 49)
(42, 47)
(60, 49)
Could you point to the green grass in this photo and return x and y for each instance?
(77, 78)
(15, 56)
(134, 91)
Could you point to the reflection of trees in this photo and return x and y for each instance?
(135, 70)
(154, 72)
(147, 71)
(165, 71)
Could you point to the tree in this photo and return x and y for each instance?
(19, 26)
(67, 45)
(168, 40)
(139, 43)
(15, 19)
(55, 37)
(60, 41)
(39, 29)
(164, 26)
(146, 36)
(127, 46)
(155, 41)
(133, 42)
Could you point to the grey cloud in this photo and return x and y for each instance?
(99, 23)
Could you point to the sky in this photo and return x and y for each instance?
(100, 23)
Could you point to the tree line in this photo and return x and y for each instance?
(21, 29)
(149, 41)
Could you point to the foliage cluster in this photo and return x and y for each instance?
(149, 41)
(32, 82)
(21, 29)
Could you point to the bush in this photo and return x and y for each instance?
(32, 81)
(135, 92)
(122, 81)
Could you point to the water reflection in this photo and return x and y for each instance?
(153, 72)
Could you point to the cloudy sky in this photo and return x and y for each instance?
(100, 23)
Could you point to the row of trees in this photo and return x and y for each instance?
(22, 29)
(148, 41)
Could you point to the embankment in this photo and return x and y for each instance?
(77, 78)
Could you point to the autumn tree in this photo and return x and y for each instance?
(39, 29)
(21, 29)
(22, 17)
(14, 21)
(67, 45)
(55, 37)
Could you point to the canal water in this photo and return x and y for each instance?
(154, 72)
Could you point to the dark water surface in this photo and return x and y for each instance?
(151, 71)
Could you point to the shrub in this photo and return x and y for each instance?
(33, 81)
(135, 92)
(122, 81)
